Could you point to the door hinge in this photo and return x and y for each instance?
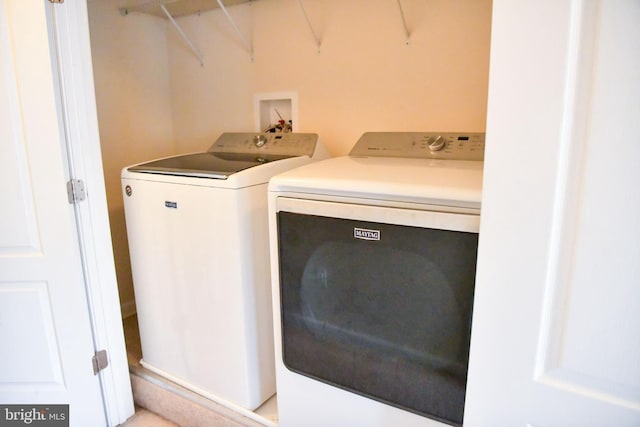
(76, 191)
(100, 361)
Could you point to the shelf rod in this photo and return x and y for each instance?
(404, 22)
(142, 7)
(195, 51)
(235, 27)
(306, 17)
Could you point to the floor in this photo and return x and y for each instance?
(144, 418)
(161, 403)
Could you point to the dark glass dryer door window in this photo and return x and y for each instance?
(386, 314)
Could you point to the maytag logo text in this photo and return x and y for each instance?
(365, 234)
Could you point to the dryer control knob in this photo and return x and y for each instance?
(436, 143)
(259, 140)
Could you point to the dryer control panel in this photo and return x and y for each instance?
(282, 144)
(421, 145)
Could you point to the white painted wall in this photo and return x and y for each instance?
(131, 74)
(154, 97)
(364, 78)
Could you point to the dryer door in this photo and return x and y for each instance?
(378, 301)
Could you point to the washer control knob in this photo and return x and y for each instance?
(436, 143)
(259, 140)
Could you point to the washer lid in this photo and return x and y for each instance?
(233, 152)
(206, 165)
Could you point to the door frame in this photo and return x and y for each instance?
(77, 113)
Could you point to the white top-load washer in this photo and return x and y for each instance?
(373, 274)
(198, 239)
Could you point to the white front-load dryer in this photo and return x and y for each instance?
(198, 239)
(373, 275)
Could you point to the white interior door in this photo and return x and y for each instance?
(47, 345)
(556, 328)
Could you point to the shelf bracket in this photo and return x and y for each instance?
(404, 22)
(237, 30)
(313, 33)
(195, 51)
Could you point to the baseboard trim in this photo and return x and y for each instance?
(180, 405)
(128, 309)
